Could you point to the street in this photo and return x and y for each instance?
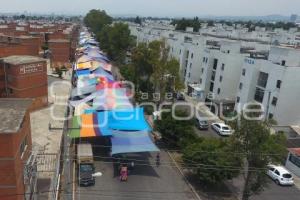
(145, 181)
(274, 191)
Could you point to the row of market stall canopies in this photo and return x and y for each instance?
(102, 107)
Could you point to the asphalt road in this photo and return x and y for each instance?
(276, 192)
(145, 181)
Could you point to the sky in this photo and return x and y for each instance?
(162, 8)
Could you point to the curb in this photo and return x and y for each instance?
(185, 179)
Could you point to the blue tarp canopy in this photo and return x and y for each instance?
(131, 119)
(131, 142)
(82, 72)
(128, 120)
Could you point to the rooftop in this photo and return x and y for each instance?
(295, 151)
(12, 114)
(17, 60)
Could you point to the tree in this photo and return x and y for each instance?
(153, 70)
(163, 68)
(184, 23)
(116, 41)
(210, 23)
(96, 20)
(59, 72)
(143, 68)
(259, 148)
(138, 20)
(211, 160)
(179, 133)
(45, 47)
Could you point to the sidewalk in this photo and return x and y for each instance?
(48, 142)
(296, 181)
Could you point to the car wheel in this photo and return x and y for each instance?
(277, 182)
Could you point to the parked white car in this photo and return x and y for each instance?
(280, 175)
(222, 129)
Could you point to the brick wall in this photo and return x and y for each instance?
(11, 163)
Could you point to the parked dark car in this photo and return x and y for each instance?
(86, 172)
(202, 124)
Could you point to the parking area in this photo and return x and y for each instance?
(274, 191)
(271, 192)
(145, 181)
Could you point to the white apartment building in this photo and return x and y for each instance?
(234, 66)
(220, 70)
(275, 83)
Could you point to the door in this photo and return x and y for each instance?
(271, 172)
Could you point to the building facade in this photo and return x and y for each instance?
(24, 77)
(274, 83)
(15, 149)
(60, 52)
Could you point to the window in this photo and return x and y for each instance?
(215, 64)
(286, 175)
(180, 52)
(278, 84)
(228, 51)
(23, 146)
(295, 160)
(221, 78)
(241, 86)
(200, 81)
(187, 54)
(283, 62)
(238, 99)
(189, 75)
(213, 76)
(10, 91)
(223, 67)
(203, 59)
(202, 70)
(244, 72)
(206, 60)
(259, 95)
(219, 90)
(192, 55)
(191, 65)
(274, 101)
(211, 87)
(262, 79)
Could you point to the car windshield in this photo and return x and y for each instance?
(203, 122)
(225, 128)
(86, 168)
(287, 176)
